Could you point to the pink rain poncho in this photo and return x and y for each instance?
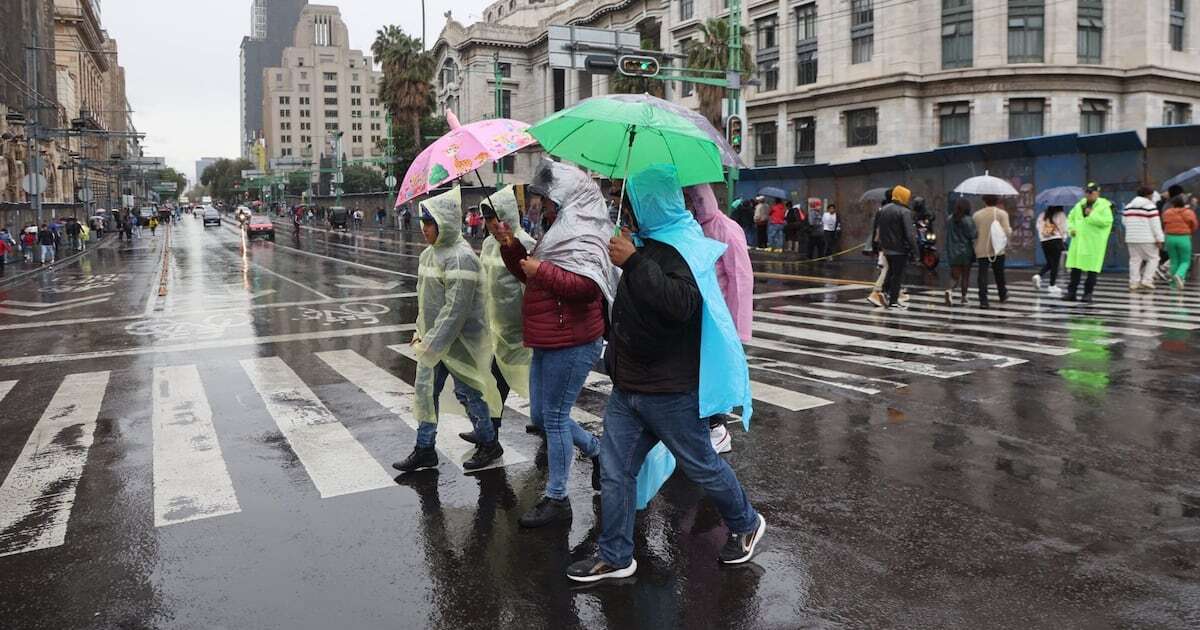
(734, 273)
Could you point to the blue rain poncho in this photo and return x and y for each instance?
(657, 200)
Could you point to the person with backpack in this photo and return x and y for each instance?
(28, 241)
(989, 250)
(1089, 225)
(793, 230)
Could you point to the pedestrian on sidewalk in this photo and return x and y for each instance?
(1089, 225)
(29, 240)
(569, 285)
(1179, 223)
(674, 357)
(793, 230)
(1052, 233)
(987, 252)
(743, 214)
(762, 215)
(452, 338)
(153, 224)
(897, 241)
(74, 230)
(831, 226)
(816, 233)
(735, 277)
(7, 246)
(47, 241)
(1144, 239)
(960, 249)
(777, 221)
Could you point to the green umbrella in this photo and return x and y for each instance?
(616, 138)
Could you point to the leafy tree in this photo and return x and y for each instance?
(712, 53)
(360, 178)
(298, 182)
(170, 175)
(621, 84)
(432, 126)
(222, 176)
(407, 86)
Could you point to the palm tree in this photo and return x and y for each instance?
(712, 53)
(407, 86)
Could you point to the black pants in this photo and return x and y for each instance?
(997, 266)
(816, 244)
(1053, 250)
(1088, 286)
(501, 385)
(830, 242)
(895, 276)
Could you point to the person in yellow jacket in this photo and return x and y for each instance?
(503, 294)
(1089, 225)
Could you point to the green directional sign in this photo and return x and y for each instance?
(166, 187)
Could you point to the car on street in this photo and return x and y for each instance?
(339, 217)
(211, 217)
(260, 225)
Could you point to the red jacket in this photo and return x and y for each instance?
(560, 309)
(778, 214)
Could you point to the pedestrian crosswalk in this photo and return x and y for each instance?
(808, 352)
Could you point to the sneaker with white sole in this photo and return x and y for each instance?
(1037, 281)
(595, 569)
(740, 547)
(722, 442)
(876, 298)
(1054, 291)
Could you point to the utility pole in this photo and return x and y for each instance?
(499, 106)
(33, 119)
(733, 94)
(338, 176)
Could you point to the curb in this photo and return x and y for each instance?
(6, 280)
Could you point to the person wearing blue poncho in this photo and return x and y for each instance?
(675, 358)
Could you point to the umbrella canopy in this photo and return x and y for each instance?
(462, 150)
(986, 185)
(617, 138)
(1065, 196)
(875, 194)
(1184, 179)
(771, 191)
(729, 157)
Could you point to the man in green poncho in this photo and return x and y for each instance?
(1089, 225)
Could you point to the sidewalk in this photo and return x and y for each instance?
(24, 269)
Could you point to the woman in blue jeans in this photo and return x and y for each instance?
(569, 281)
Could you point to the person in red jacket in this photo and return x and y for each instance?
(778, 220)
(569, 283)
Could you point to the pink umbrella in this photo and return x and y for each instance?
(462, 150)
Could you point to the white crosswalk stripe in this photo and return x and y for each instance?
(5, 387)
(800, 334)
(1020, 310)
(962, 321)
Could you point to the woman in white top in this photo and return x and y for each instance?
(1144, 237)
(1052, 230)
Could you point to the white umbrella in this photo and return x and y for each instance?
(986, 185)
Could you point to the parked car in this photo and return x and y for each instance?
(211, 217)
(339, 217)
(260, 225)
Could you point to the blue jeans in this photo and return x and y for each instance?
(555, 378)
(775, 236)
(470, 399)
(633, 424)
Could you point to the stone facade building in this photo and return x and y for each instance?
(272, 27)
(322, 87)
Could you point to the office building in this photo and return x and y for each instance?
(272, 25)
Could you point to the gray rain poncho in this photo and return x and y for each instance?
(578, 240)
(450, 312)
(503, 295)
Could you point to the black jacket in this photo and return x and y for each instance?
(654, 345)
(896, 233)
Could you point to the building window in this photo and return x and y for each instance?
(764, 32)
(1026, 31)
(331, 113)
(305, 87)
(331, 101)
(765, 144)
(862, 127)
(806, 68)
(1177, 113)
(506, 103)
(279, 77)
(955, 123)
(286, 152)
(329, 76)
(862, 30)
(806, 22)
(355, 126)
(1178, 22)
(285, 139)
(686, 10)
(331, 126)
(1091, 31)
(767, 54)
(506, 165)
(356, 139)
(356, 114)
(1093, 114)
(769, 73)
(958, 34)
(806, 140)
(356, 89)
(287, 126)
(806, 44)
(305, 113)
(285, 113)
(1026, 117)
(285, 100)
(686, 88)
(505, 70)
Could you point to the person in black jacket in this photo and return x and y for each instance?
(898, 241)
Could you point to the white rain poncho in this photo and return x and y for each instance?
(450, 312)
(503, 295)
(578, 240)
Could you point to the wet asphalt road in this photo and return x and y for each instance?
(1031, 467)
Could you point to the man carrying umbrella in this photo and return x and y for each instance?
(1089, 224)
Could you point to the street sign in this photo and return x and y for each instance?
(85, 195)
(145, 163)
(569, 46)
(34, 183)
(166, 187)
(390, 181)
(252, 173)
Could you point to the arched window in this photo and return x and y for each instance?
(448, 74)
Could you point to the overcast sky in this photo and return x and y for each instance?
(181, 63)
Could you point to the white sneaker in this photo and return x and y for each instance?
(1179, 282)
(722, 442)
(903, 299)
(1037, 281)
(876, 298)
(1054, 292)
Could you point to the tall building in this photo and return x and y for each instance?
(272, 25)
(323, 90)
(202, 164)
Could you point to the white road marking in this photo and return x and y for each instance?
(37, 496)
(810, 291)
(909, 334)
(336, 462)
(876, 361)
(20, 312)
(58, 303)
(1164, 296)
(837, 339)
(5, 387)
(345, 262)
(829, 378)
(1123, 309)
(396, 396)
(264, 269)
(1070, 313)
(208, 345)
(191, 481)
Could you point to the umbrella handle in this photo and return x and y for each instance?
(621, 203)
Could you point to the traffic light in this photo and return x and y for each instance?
(638, 66)
(733, 132)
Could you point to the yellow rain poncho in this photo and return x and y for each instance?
(503, 294)
(450, 312)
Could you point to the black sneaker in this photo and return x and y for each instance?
(1070, 297)
(596, 473)
(469, 436)
(740, 547)
(484, 456)
(533, 429)
(547, 511)
(1086, 299)
(420, 459)
(595, 569)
